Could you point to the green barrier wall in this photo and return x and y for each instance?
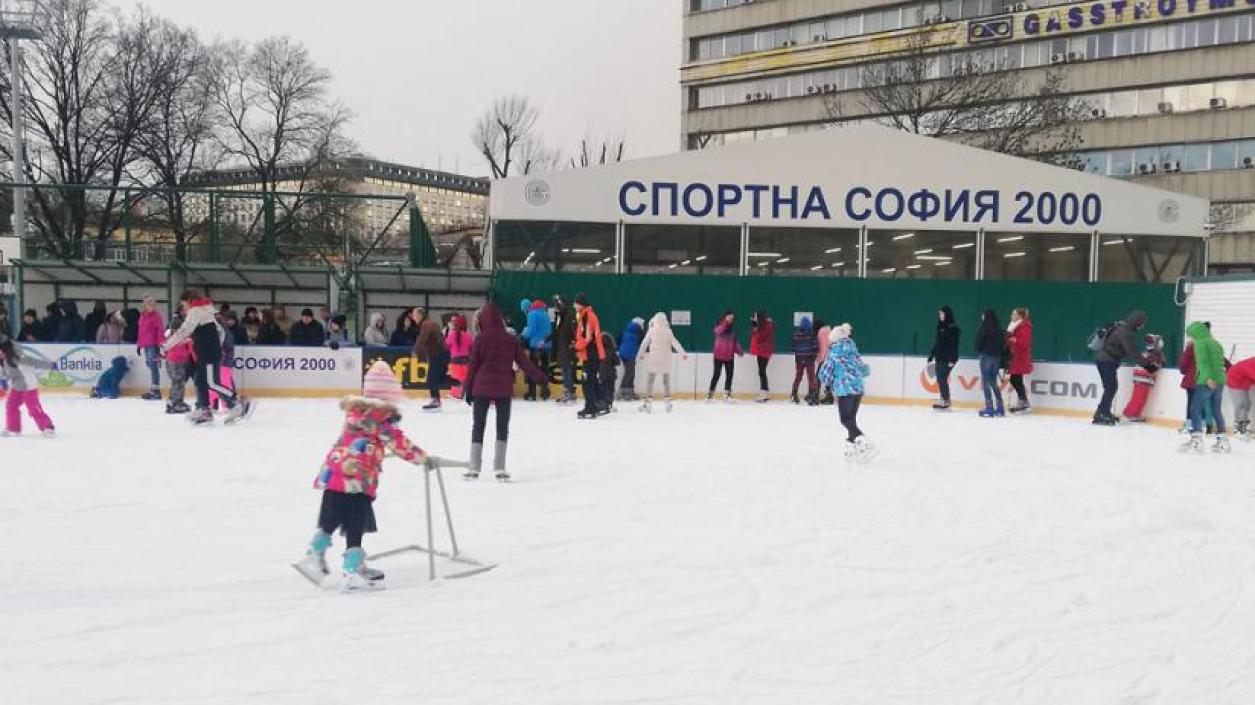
(889, 316)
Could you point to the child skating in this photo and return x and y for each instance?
(200, 325)
(19, 371)
(349, 478)
(1144, 376)
(843, 372)
(655, 351)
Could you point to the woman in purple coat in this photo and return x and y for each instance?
(490, 380)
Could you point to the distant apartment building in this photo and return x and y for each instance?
(1171, 83)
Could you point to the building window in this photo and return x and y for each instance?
(921, 254)
(682, 249)
(1154, 260)
(802, 252)
(1037, 256)
(553, 246)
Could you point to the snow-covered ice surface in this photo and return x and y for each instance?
(721, 554)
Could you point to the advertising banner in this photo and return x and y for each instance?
(257, 369)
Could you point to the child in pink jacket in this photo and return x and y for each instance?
(152, 333)
(458, 341)
(349, 477)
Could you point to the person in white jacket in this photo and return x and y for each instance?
(377, 333)
(655, 352)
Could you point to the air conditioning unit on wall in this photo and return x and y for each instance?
(1165, 107)
(1145, 168)
(1172, 166)
(1218, 103)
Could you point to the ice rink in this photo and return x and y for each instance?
(719, 554)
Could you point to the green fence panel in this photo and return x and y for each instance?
(889, 316)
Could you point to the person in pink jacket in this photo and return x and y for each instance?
(152, 333)
(727, 347)
(349, 477)
(824, 333)
(458, 341)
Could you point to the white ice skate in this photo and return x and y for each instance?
(851, 451)
(866, 450)
(727, 397)
(1221, 445)
(200, 416)
(670, 406)
(313, 567)
(357, 581)
(1193, 444)
(49, 432)
(646, 406)
(240, 412)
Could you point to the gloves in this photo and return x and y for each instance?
(431, 462)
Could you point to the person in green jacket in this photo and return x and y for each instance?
(1209, 391)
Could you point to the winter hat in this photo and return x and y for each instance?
(842, 331)
(581, 299)
(307, 312)
(381, 384)
(640, 322)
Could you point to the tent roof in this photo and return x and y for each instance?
(836, 179)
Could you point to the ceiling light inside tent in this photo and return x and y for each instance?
(702, 258)
(903, 236)
(782, 260)
(1112, 242)
(1013, 238)
(914, 266)
(1066, 248)
(817, 267)
(832, 251)
(963, 246)
(1009, 255)
(772, 255)
(585, 251)
(838, 264)
(924, 251)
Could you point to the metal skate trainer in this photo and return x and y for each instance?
(474, 567)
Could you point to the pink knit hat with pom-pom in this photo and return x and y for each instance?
(381, 384)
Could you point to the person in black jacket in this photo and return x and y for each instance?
(564, 345)
(70, 327)
(990, 343)
(99, 314)
(307, 332)
(945, 353)
(1119, 345)
(270, 333)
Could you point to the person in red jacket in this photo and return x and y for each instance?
(1020, 342)
(762, 347)
(489, 382)
(1241, 383)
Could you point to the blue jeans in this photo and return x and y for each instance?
(989, 380)
(1207, 398)
(152, 358)
(568, 377)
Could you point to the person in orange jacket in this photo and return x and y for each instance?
(590, 351)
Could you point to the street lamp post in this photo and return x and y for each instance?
(18, 20)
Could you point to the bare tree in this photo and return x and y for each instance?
(280, 124)
(71, 131)
(177, 143)
(969, 98)
(506, 136)
(606, 150)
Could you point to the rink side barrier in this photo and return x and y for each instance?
(1064, 389)
(1071, 389)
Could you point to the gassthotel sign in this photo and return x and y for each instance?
(1092, 16)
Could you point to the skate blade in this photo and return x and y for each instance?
(469, 477)
(315, 578)
(369, 586)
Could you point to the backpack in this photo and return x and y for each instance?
(1098, 339)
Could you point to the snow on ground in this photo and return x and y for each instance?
(722, 554)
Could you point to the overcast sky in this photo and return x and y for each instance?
(417, 73)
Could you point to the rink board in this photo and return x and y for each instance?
(1069, 388)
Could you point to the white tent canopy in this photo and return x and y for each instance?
(851, 177)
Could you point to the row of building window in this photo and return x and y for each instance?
(682, 249)
(704, 5)
(1188, 97)
(1171, 158)
(1213, 31)
(833, 27)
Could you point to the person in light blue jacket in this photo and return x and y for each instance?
(538, 337)
(843, 372)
